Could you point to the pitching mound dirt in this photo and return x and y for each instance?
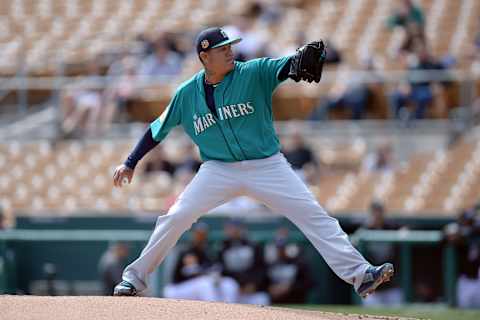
(126, 308)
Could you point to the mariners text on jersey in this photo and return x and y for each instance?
(203, 122)
(243, 127)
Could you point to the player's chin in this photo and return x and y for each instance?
(229, 66)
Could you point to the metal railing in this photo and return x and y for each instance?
(385, 76)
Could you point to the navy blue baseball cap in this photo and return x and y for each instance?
(213, 38)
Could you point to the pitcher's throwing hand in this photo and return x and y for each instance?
(122, 175)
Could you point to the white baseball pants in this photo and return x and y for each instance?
(208, 287)
(271, 181)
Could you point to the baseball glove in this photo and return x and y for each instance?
(307, 63)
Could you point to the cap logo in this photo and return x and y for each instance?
(205, 44)
(223, 33)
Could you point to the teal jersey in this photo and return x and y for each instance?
(243, 129)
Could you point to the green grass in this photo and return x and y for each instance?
(433, 312)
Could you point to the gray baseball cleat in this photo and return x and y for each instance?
(125, 288)
(375, 276)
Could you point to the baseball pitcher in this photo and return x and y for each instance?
(226, 109)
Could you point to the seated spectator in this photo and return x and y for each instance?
(351, 91)
(180, 43)
(377, 253)
(122, 90)
(381, 160)
(300, 155)
(461, 234)
(146, 45)
(82, 104)
(288, 273)
(254, 42)
(162, 62)
(417, 92)
(195, 276)
(404, 13)
(111, 266)
(243, 261)
(157, 161)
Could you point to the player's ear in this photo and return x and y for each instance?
(203, 57)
